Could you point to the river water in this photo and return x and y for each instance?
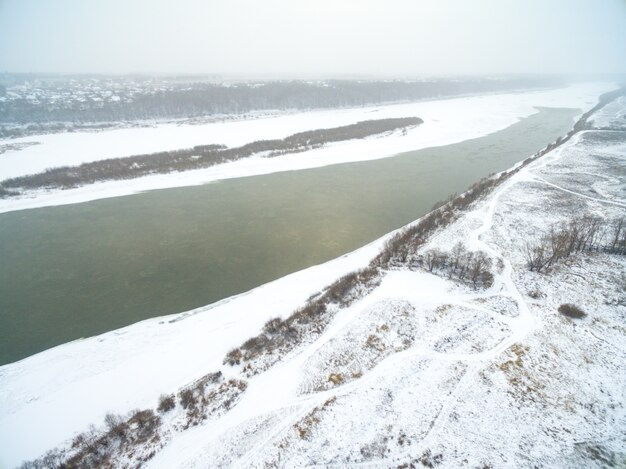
(78, 270)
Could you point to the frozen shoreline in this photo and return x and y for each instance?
(445, 121)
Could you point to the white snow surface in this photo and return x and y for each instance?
(452, 390)
(446, 121)
(613, 115)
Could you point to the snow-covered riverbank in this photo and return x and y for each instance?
(445, 121)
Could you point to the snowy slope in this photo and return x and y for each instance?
(422, 370)
(445, 121)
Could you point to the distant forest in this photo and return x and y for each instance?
(206, 99)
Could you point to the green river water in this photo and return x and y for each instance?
(73, 271)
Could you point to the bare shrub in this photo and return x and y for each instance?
(458, 253)
(233, 357)
(187, 398)
(273, 326)
(145, 423)
(116, 425)
(536, 256)
(254, 346)
(432, 258)
(428, 459)
(166, 403)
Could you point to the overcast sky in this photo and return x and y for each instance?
(313, 37)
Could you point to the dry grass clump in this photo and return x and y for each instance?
(336, 378)
(305, 427)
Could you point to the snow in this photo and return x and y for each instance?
(445, 121)
(492, 376)
(611, 115)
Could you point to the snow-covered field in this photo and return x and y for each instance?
(452, 376)
(612, 115)
(445, 121)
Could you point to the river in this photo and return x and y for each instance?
(78, 270)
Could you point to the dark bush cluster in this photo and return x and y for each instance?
(466, 266)
(572, 311)
(166, 403)
(144, 424)
(361, 129)
(580, 234)
(122, 436)
(98, 449)
(189, 395)
(201, 156)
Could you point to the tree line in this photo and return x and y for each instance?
(582, 234)
(461, 264)
(202, 99)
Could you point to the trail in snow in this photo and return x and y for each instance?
(524, 322)
(578, 194)
(520, 325)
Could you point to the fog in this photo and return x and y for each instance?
(313, 37)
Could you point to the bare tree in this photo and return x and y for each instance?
(479, 267)
(458, 252)
(433, 258)
(535, 253)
